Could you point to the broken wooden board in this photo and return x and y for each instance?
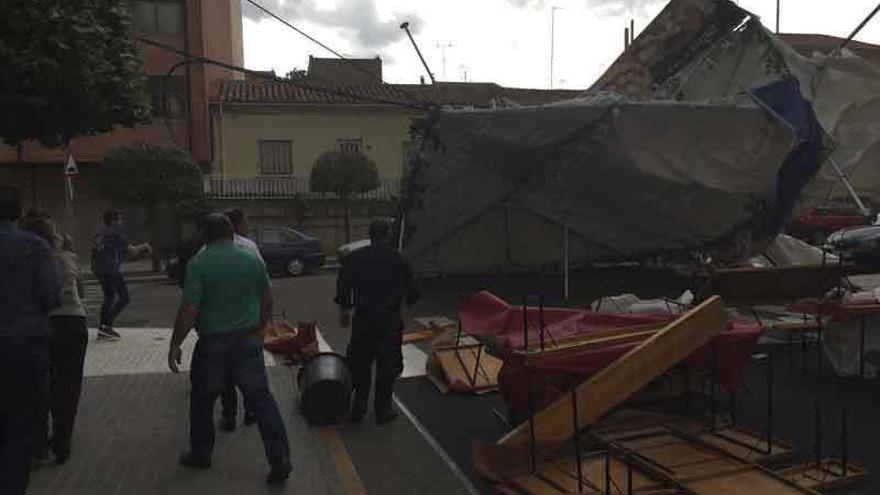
(605, 390)
(773, 285)
(463, 369)
(830, 476)
(410, 337)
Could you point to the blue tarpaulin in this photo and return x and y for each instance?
(784, 101)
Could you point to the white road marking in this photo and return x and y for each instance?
(139, 351)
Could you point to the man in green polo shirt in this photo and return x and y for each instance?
(228, 298)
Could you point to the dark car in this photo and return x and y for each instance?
(284, 250)
(860, 245)
(288, 251)
(814, 225)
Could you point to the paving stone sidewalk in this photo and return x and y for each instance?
(133, 423)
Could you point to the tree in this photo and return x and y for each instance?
(67, 68)
(296, 74)
(149, 176)
(344, 175)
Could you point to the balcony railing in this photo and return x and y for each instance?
(221, 187)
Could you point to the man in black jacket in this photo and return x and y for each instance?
(375, 281)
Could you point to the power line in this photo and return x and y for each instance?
(274, 78)
(324, 46)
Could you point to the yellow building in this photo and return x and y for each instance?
(268, 135)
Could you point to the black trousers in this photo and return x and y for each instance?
(24, 380)
(229, 400)
(68, 351)
(375, 337)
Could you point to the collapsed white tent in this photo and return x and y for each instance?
(711, 50)
(502, 189)
(609, 178)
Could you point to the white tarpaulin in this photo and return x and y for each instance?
(700, 50)
(495, 189)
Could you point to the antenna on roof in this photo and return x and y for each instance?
(405, 27)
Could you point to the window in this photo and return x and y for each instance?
(158, 16)
(275, 156)
(272, 236)
(290, 236)
(350, 146)
(167, 96)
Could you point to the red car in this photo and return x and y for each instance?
(814, 225)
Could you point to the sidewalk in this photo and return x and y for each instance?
(133, 423)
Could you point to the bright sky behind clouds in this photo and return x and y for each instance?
(502, 41)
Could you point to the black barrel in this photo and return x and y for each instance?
(325, 389)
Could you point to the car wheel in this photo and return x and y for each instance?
(295, 267)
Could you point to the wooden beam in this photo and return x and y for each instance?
(601, 393)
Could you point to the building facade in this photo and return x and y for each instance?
(179, 95)
(268, 136)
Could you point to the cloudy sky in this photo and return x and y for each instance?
(503, 41)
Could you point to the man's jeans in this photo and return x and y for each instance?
(115, 296)
(239, 354)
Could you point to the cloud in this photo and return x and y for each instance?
(603, 8)
(358, 20)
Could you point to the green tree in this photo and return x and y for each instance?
(67, 68)
(149, 176)
(344, 175)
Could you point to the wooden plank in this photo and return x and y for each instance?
(452, 370)
(595, 336)
(756, 452)
(614, 384)
(410, 337)
(751, 286)
(749, 482)
(811, 476)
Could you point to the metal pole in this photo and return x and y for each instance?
(857, 29)
(844, 441)
(847, 184)
(625, 38)
(607, 472)
(817, 433)
(405, 27)
(525, 323)
(777, 16)
(577, 445)
(552, 40)
(566, 288)
(632, 31)
(769, 402)
(531, 405)
(541, 320)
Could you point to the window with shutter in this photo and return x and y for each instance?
(276, 156)
(350, 146)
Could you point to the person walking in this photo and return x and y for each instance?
(375, 281)
(227, 297)
(111, 247)
(68, 349)
(29, 289)
(229, 396)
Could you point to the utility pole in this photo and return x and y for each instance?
(552, 40)
(405, 27)
(777, 16)
(443, 47)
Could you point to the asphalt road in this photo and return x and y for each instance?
(450, 425)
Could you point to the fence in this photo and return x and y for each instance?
(220, 187)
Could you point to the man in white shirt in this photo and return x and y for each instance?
(229, 396)
(240, 226)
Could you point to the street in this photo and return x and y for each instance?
(133, 412)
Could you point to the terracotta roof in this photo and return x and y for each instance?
(444, 93)
(806, 44)
(348, 71)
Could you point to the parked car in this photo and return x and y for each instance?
(346, 249)
(288, 251)
(285, 250)
(859, 245)
(814, 225)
